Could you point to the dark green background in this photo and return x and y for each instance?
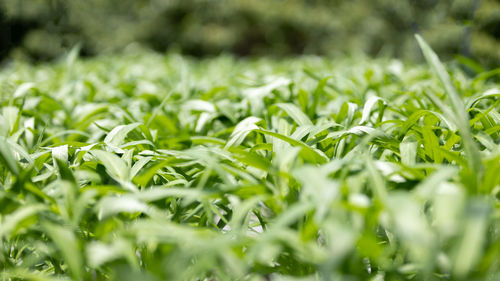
(44, 29)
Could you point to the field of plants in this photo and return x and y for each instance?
(144, 166)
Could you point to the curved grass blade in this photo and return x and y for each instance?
(456, 112)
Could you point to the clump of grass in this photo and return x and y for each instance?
(151, 167)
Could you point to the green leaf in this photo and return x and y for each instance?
(369, 104)
(307, 152)
(118, 134)
(67, 244)
(297, 115)
(473, 237)
(23, 89)
(7, 157)
(241, 130)
(11, 115)
(110, 206)
(408, 151)
(138, 165)
(457, 113)
(12, 222)
(114, 165)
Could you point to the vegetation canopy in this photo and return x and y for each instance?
(160, 167)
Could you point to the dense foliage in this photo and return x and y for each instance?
(45, 28)
(158, 167)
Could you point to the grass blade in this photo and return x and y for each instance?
(457, 113)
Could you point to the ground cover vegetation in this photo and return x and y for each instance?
(160, 167)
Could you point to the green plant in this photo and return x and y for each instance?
(150, 167)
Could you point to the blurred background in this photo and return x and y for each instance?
(44, 29)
